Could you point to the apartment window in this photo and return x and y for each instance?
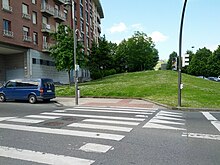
(26, 34)
(44, 20)
(6, 25)
(57, 25)
(25, 31)
(25, 8)
(34, 1)
(6, 5)
(35, 38)
(65, 14)
(34, 61)
(82, 26)
(34, 17)
(87, 30)
(81, 11)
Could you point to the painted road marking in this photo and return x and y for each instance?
(41, 157)
(22, 120)
(165, 117)
(160, 126)
(111, 122)
(97, 135)
(201, 136)
(121, 109)
(165, 122)
(92, 147)
(209, 116)
(94, 116)
(6, 118)
(216, 124)
(102, 127)
(42, 117)
(168, 118)
(108, 111)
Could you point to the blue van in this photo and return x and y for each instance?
(32, 90)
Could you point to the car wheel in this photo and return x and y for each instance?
(2, 97)
(32, 99)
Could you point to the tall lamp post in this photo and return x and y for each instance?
(180, 58)
(75, 31)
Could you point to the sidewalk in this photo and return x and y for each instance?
(105, 102)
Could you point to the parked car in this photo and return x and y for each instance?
(213, 78)
(32, 90)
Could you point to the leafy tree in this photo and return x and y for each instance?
(101, 59)
(214, 63)
(62, 51)
(172, 56)
(199, 63)
(137, 53)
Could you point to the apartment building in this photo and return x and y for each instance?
(25, 41)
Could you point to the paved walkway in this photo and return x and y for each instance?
(106, 102)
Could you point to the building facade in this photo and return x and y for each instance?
(25, 41)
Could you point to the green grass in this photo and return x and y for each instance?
(158, 86)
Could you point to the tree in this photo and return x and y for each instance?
(101, 59)
(62, 51)
(199, 63)
(214, 63)
(172, 56)
(138, 53)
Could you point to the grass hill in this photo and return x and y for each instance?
(159, 86)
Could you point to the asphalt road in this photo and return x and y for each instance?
(47, 134)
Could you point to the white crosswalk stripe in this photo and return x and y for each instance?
(42, 157)
(166, 120)
(94, 124)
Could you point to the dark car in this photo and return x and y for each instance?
(32, 90)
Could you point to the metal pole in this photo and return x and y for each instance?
(180, 58)
(74, 54)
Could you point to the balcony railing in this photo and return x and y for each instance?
(27, 38)
(60, 1)
(46, 46)
(26, 16)
(8, 33)
(48, 28)
(7, 8)
(59, 15)
(45, 8)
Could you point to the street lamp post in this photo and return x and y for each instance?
(75, 30)
(180, 57)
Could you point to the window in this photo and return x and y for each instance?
(45, 20)
(25, 31)
(81, 11)
(6, 5)
(34, 17)
(65, 14)
(34, 60)
(34, 1)
(6, 25)
(82, 26)
(35, 38)
(57, 25)
(25, 9)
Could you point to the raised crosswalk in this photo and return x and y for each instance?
(97, 126)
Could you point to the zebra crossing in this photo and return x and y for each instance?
(107, 124)
(167, 120)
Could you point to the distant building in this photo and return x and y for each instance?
(25, 41)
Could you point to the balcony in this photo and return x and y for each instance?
(46, 47)
(59, 15)
(26, 16)
(46, 28)
(60, 1)
(47, 9)
(27, 38)
(8, 33)
(7, 8)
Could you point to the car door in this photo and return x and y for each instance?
(10, 90)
